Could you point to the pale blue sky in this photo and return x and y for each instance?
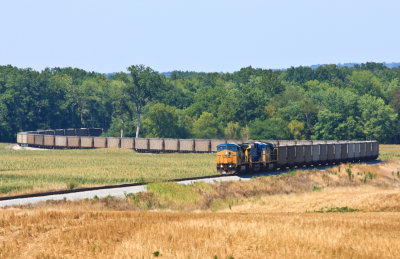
(219, 35)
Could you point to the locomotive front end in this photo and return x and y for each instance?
(227, 158)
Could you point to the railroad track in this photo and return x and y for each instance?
(120, 190)
(5, 201)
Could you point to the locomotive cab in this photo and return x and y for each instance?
(228, 158)
(244, 158)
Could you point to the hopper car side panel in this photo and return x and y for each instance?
(315, 154)
(39, 140)
(202, 145)
(31, 139)
(357, 151)
(49, 140)
(350, 151)
(362, 150)
(87, 142)
(331, 152)
(156, 145)
(282, 156)
(369, 149)
(299, 160)
(73, 141)
(343, 149)
(375, 150)
(337, 152)
(113, 142)
(291, 156)
(142, 144)
(171, 145)
(127, 143)
(323, 153)
(61, 141)
(99, 142)
(186, 145)
(308, 155)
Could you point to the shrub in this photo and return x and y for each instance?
(72, 184)
(317, 188)
(336, 209)
(371, 175)
(350, 173)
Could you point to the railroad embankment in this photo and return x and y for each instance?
(231, 194)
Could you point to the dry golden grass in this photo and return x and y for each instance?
(362, 198)
(284, 223)
(113, 234)
(272, 217)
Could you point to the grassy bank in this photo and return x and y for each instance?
(36, 170)
(228, 195)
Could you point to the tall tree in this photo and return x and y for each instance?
(162, 121)
(120, 104)
(144, 85)
(207, 126)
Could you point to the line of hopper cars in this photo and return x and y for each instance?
(262, 156)
(90, 138)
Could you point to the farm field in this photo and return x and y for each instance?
(348, 211)
(23, 171)
(389, 152)
(121, 234)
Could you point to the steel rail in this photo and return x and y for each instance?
(95, 188)
(115, 186)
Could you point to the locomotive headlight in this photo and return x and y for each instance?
(222, 166)
(230, 165)
(226, 152)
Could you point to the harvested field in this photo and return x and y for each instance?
(351, 211)
(248, 231)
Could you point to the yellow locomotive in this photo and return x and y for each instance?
(244, 158)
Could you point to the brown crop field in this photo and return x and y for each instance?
(115, 234)
(347, 211)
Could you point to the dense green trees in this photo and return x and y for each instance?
(163, 121)
(207, 126)
(328, 102)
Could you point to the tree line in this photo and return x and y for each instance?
(330, 102)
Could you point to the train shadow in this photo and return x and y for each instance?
(320, 167)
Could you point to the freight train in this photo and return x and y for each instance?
(233, 156)
(262, 156)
